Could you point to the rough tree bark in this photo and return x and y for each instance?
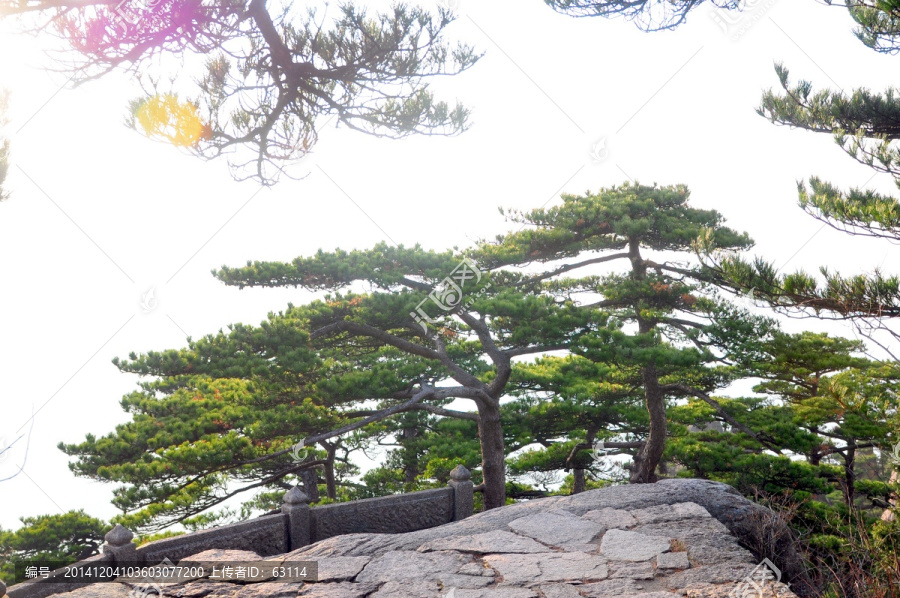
(849, 475)
(410, 466)
(645, 462)
(330, 485)
(579, 484)
(493, 463)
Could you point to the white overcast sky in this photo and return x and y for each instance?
(100, 214)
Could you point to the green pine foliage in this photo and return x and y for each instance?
(63, 538)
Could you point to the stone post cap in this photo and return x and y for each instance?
(118, 536)
(295, 496)
(460, 474)
(2, 589)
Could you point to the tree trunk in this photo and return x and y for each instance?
(645, 462)
(815, 457)
(578, 486)
(850, 476)
(330, 486)
(410, 465)
(493, 463)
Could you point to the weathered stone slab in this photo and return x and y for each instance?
(707, 541)
(716, 553)
(632, 546)
(343, 589)
(397, 565)
(690, 509)
(610, 588)
(219, 554)
(715, 574)
(673, 560)
(686, 529)
(655, 514)
(467, 582)
(497, 541)
(495, 592)
(348, 545)
(556, 528)
(340, 568)
(408, 588)
(630, 570)
(612, 518)
(675, 512)
(101, 590)
(559, 590)
(260, 590)
(769, 590)
(591, 548)
(554, 566)
(192, 589)
(477, 568)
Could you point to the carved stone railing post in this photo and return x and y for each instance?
(119, 544)
(463, 493)
(2, 589)
(296, 507)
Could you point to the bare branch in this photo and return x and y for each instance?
(419, 396)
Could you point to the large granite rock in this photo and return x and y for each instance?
(673, 538)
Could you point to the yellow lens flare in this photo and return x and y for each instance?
(164, 116)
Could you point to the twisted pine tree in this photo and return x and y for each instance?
(434, 327)
(666, 321)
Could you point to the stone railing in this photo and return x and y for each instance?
(296, 526)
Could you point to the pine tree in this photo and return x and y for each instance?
(827, 405)
(274, 75)
(435, 326)
(664, 317)
(569, 404)
(62, 539)
(865, 125)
